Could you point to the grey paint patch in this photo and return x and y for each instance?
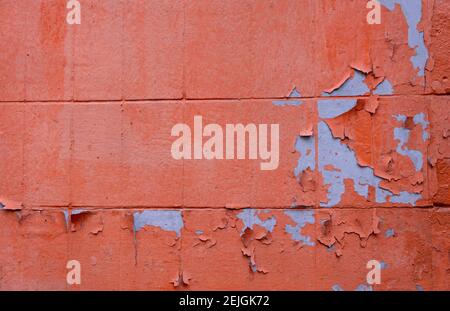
(389, 233)
(287, 102)
(295, 93)
(419, 288)
(166, 220)
(402, 135)
(384, 88)
(412, 10)
(360, 288)
(400, 117)
(420, 119)
(305, 146)
(333, 152)
(66, 217)
(364, 288)
(2, 205)
(383, 265)
(198, 232)
(353, 86)
(301, 218)
(331, 108)
(250, 218)
(405, 197)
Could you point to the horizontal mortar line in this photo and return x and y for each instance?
(214, 99)
(130, 208)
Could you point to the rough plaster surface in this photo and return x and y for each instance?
(86, 173)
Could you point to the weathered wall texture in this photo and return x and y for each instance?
(86, 172)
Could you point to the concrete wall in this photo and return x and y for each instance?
(86, 171)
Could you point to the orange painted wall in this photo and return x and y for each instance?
(86, 171)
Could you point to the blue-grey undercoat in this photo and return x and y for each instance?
(166, 220)
(384, 88)
(353, 86)
(364, 288)
(291, 101)
(332, 108)
(419, 119)
(401, 134)
(337, 288)
(412, 10)
(301, 218)
(332, 152)
(389, 233)
(250, 218)
(305, 146)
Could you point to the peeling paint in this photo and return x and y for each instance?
(287, 102)
(402, 135)
(412, 10)
(342, 158)
(294, 94)
(384, 88)
(66, 217)
(301, 218)
(100, 141)
(250, 218)
(360, 288)
(332, 108)
(419, 288)
(78, 211)
(353, 86)
(305, 146)
(166, 220)
(420, 119)
(364, 288)
(389, 233)
(332, 152)
(10, 205)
